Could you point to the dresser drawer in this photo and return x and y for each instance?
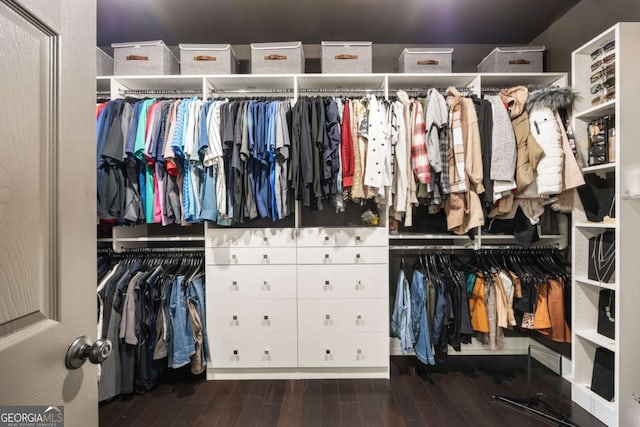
(250, 256)
(343, 255)
(251, 281)
(317, 350)
(343, 281)
(250, 237)
(252, 316)
(325, 315)
(254, 350)
(361, 236)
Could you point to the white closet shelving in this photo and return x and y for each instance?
(275, 277)
(624, 409)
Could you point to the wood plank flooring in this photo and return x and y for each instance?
(461, 395)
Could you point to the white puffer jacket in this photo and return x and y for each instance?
(545, 130)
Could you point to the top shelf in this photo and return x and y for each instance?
(386, 82)
(504, 80)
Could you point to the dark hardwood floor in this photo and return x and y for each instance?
(461, 396)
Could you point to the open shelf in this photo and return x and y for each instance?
(605, 167)
(600, 110)
(597, 339)
(595, 283)
(426, 80)
(503, 80)
(172, 82)
(374, 82)
(596, 224)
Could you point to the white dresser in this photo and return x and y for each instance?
(298, 303)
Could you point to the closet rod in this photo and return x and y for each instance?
(339, 90)
(463, 89)
(164, 92)
(428, 247)
(249, 91)
(520, 248)
(153, 250)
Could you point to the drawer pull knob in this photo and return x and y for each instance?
(326, 238)
(326, 283)
(359, 284)
(358, 238)
(265, 239)
(235, 317)
(233, 256)
(265, 256)
(265, 317)
(265, 283)
(234, 284)
(266, 352)
(357, 256)
(359, 317)
(326, 256)
(359, 351)
(327, 317)
(327, 351)
(235, 352)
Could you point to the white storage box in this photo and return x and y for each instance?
(525, 59)
(207, 59)
(277, 58)
(425, 60)
(346, 57)
(143, 58)
(104, 63)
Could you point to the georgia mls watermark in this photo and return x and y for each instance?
(31, 416)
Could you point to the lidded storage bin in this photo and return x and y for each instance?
(425, 60)
(346, 57)
(525, 59)
(104, 63)
(207, 59)
(144, 58)
(277, 58)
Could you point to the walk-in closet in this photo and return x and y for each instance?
(358, 213)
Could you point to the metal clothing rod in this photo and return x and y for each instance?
(520, 248)
(152, 250)
(249, 91)
(339, 90)
(163, 92)
(428, 247)
(439, 89)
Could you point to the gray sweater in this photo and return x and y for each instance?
(503, 154)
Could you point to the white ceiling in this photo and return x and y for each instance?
(379, 21)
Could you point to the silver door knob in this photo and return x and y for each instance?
(82, 349)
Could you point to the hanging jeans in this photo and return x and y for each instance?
(401, 318)
(420, 321)
(183, 345)
(195, 294)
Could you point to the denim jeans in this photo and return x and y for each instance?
(195, 293)
(183, 342)
(420, 321)
(401, 318)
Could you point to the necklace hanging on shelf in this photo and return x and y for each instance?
(607, 309)
(604, 261)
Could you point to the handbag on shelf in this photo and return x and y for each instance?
(603, 373)
(598, 196)
(607, 313)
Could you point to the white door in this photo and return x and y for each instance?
(47, 204)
